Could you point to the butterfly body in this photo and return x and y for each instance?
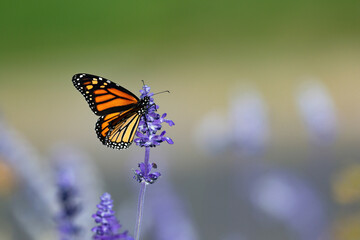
(119, 109)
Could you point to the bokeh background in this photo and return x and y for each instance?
(263, 94)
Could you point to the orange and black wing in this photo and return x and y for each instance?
(117, 130)
(103, 96)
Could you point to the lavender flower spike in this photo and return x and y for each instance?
(150, 123)
(68, 199)
(109, 226)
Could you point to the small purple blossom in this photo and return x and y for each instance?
(67, 197)
(150, 123)
(144, 173)
(109, 226)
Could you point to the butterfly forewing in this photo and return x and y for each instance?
(104, 96)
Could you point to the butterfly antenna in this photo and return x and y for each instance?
(166, 91)
(158, 92)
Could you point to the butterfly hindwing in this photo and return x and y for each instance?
(117, 130)
(104, 96)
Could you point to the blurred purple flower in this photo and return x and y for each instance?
(249, 121)
(78, 186)
(150, 123)
(318, 112)
(109, 226)
(291, 200)
(68, 200)
(244, 128)
(34, 203)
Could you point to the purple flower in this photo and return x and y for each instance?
(150, 123)
(250, 130)
(67, 197)
(144, 173)
(292, 200)
(35, 202)
(109, 226)
(318, 112)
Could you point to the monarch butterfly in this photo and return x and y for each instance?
(119, 109)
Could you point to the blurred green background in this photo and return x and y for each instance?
(200, 51)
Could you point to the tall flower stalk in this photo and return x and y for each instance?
(150, 123)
